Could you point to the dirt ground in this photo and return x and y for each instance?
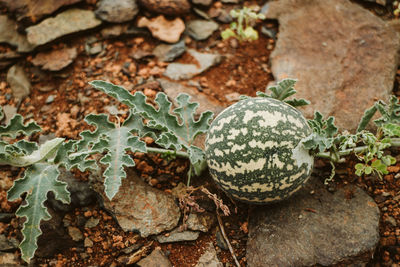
(245, 71)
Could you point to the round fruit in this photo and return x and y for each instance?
(254, 153)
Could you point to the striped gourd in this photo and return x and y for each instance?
(253, 151)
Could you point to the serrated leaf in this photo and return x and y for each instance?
(391, 129)
(366, 118)
(323, 135)
(297, 102)
(16, 126)
(15, 155)
(282, 91)
(115, 141)
(39, 179)
(390, 112)
(177, 130)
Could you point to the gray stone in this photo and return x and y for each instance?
(209, 258)
(172, 89)
(201, 29)
(333, 59)
(167, 53)
(221, 243)
(117, 10)
(92, 222)
(50, 99)
(314, 229)
(179, 71)
(7, 245)
(140, 207)
(230, 1)
(8, 58)
(10, 35)
(81, 193)
(202, 2)
(55, 60)
(35, 10)
(67, 22)
(200, 221)
(156, 259)
(9, 112)
(75, 233)
(178, 236)
(19, 82)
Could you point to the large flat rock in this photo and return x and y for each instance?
(140, 207)
(67, 22)
(320, 228)
(343, 56)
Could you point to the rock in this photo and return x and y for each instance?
(9, 260)
(333, 59)
(92, 222)
(165, 30)
(179, 71)
(140, 207)
(209, 258)
(19, 82)
(55, 60)
(95, 49)
(9, 112)
(230, 1)
(35, 10)
(82, 194)
(269, 32)
(54, 238)
(70, 21)
(172, 89)
(122, 29)
(88, 243)
(221, 243)
(8, 58)
(75, 233)
(202, 2)
(167, 7)
(391, 221)
(200, 221)
(167, 53)
(201, 29)
(318, 229)
(116, 11)
(10, 35)
(177, 236)
(379, 2)
(7, 245)
(155, 259)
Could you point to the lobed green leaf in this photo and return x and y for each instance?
(16, 126)
(38, 180)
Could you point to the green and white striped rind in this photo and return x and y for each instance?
(254, 153)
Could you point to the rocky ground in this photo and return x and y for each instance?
(345, 55)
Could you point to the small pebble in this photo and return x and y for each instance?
(50, 99)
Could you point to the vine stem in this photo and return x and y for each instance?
(181, 154)
(221, 227)
(394, 142)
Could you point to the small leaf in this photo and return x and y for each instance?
(16, 126)
(297, 102)
(368, 170)
(391, 129)
(226, 34)
(39, 179)
(250, 33)
(359, 166)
